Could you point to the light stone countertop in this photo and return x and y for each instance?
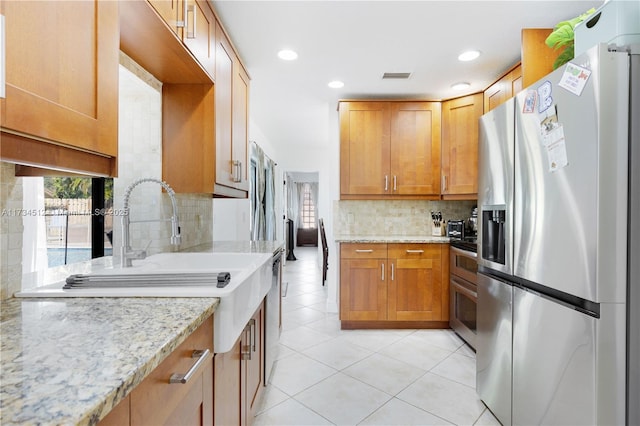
(70, 361)
(392, 239)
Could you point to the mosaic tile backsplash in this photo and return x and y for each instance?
(394, 217)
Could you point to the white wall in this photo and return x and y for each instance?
(326, 161)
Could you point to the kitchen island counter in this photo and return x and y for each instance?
(70, 361)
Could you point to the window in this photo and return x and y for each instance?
(78, 218)
(308, 208)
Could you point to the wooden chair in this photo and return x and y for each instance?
(325, 252)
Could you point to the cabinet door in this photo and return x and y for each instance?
(415, 290)
(172, 12)
(62, 79)
(503, 89)
(156, 401)
(364, 148)
(460, 145)
(415, 148)
(240, 132)
(199, 34)
(363, 291)
(254, 364)
(227, 390)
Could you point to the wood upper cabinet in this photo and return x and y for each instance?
(238, 375)
(364, 148)
(460, 146)
(194, 23)
(415, 148)
(199, 34)
(389, 149)
(363, 285)
(188, 137)
(394, 283)
(505, 88)
(61, 83)
(231, 102)
(156, 401)
(416, 289)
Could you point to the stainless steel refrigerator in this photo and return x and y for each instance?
(559, 246)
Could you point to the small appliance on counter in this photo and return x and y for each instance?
(456, 229)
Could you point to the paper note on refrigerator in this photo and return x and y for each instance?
(574, 78)
(556, 148)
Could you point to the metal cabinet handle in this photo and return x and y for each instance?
(392, 272)
(253, 334)
(415, 251)
(382, 278)
(386, 182)
(202, 355)
(236, 175)
(444, 183)
(395, 187)
(364, 251)
(190, 9)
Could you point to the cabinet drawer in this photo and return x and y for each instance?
(414, 251)
(156, 401)
(363, 251)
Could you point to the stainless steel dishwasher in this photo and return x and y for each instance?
(273, 315)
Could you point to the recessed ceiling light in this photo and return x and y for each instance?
(287, 55)
(469, 55)
(336, 84)
(460, 86)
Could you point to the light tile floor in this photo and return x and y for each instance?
(325, 375)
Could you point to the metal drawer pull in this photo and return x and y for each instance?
(415, 251)
(202, 356)
(364, 251)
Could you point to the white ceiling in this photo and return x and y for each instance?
(357, 41)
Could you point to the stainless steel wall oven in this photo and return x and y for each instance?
(464, 293)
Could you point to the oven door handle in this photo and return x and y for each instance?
(460, 288)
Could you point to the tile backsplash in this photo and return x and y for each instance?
(393, 217)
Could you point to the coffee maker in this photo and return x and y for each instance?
(472, 222)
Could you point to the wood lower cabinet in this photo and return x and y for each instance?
(460, 146)
(156, 401)
(363, 282)
(394, 285)
(238, 376)
(389, 150)
(61, 105)
(416, 288)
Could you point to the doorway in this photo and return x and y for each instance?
(301, 210)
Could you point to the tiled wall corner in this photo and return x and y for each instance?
(140, 156)
(394, 217)
(11, 229)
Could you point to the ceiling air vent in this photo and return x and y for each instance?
(396, 75)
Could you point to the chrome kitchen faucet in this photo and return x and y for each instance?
(127, 253)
